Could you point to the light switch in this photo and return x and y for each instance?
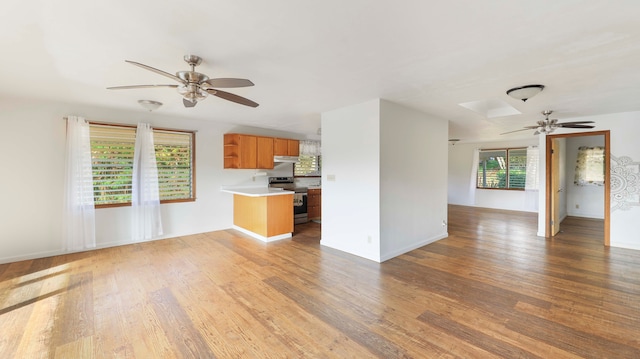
(331, 178)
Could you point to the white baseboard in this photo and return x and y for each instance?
(585, 215)
(261, 237)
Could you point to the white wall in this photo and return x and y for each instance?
(413, 179)
(462, 190)
(589, 199)
(389, 192)
(624, 129)
(32, 185)
(351, 202)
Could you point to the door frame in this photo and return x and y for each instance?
(555, 187)
(607, 180)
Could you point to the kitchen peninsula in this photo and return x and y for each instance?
(262, 212)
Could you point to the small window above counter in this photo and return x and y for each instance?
(309, 162)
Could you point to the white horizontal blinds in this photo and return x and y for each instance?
(112, 150)
(175, 168)
(517, 168)
(307, 166)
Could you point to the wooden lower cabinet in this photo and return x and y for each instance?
(267, 216)
(314, 203)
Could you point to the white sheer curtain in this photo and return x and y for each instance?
(473, 181)
(79, 214)
(310, 148)
(145, 195)
(532, 185)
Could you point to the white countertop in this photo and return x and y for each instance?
(256, 191)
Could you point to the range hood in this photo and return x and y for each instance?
(286, 159)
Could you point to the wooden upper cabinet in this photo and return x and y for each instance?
(240, 151)
(250, 151)
(264, 153)
(294, 147)
(286, 147)
(280, 147)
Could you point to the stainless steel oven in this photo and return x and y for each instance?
(300, 214)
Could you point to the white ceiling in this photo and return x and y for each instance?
(307, 57)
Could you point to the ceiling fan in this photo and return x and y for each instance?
(549, 125)
(194, 86)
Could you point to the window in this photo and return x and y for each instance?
(112, 148)
(308, 166)
(502, 168)
(590, 166)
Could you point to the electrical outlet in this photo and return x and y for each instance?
(368, 239)
(577, 206)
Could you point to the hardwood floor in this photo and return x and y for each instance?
(492, 289)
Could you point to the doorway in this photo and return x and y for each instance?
(553, 186)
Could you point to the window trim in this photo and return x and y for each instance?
(507, 149)
(193, 163)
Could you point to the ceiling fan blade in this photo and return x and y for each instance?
(232, 97)
(138, 87)
(229, 82)
(575, 122)
(522, 129)
(153, 69)
(575, 126)
(188, 103)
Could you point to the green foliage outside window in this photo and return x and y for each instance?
(502, 168)
(112, 150)
(308, 166)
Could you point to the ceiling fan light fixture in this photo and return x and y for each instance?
(150, 104)
(194, 86)
(201, 94)
(525, 92)
(192, 92)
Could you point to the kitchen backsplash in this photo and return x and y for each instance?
(308, 181)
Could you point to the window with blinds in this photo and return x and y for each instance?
(174, 153)
(112, 149)
(502, 168)
(307, 166)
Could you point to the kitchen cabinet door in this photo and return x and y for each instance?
(286, 147)
(264, 153)
(280, 147)
(293, 147)
(314, 203)
(248, 151)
